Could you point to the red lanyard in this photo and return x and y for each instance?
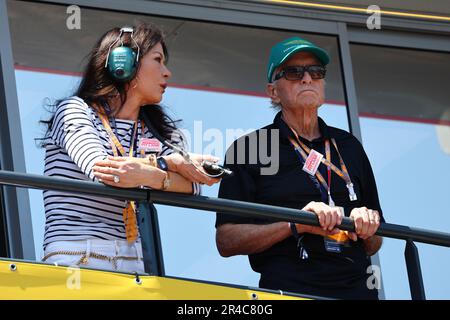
(305, 151)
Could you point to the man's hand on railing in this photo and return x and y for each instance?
(329, 218)
(366, 222)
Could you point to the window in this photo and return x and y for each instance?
(3, 234)
(405, 123)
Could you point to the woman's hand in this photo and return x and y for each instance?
(178, 164)
(125, 172)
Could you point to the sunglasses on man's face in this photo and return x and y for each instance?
(298, 72)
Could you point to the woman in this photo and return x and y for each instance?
(99, 134)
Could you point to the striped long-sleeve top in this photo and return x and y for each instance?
(76, 141)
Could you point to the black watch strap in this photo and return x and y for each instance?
(302, 251)
(294, 230)
(162, 163)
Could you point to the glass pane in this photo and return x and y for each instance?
(405, 123)
(217, 90)
(3, 234)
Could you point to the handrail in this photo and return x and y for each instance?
(148, 220)
(247, 209)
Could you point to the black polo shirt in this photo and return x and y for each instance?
(339, 275)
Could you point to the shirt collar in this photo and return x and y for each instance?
(286, 131)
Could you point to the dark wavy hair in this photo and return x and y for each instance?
(97, 87)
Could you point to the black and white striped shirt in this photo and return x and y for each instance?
(75, 143)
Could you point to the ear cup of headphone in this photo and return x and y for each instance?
(122, 63)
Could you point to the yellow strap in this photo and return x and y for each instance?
(129, 212)
(130, 221)
(115, 144)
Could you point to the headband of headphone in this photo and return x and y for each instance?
(122, 61)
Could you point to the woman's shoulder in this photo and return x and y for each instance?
(73, 102)
(73, 105)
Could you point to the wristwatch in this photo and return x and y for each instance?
(162, 164)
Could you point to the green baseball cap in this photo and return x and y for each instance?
(286, 48)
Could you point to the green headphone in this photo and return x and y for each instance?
(122, 61)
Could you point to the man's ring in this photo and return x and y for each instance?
(116, 179)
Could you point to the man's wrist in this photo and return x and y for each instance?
(299, 228)
(303, 228)
(372, 244)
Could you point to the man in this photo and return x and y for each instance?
(320, 261)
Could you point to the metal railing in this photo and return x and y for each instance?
(149, 229)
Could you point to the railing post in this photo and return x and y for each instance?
(414, 271)
(147, 218)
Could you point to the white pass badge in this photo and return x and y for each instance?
(312, 162)
(351, 192)
(150, 145)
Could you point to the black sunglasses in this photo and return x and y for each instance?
(298, 72)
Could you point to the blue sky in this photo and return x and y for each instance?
(410, 166)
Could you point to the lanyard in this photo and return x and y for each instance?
(129, 212)
(304, 151)
(115, 144)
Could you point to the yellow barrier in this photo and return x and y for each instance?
(35, 281)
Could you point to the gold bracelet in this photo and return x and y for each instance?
(152, 160)
(166, 182)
